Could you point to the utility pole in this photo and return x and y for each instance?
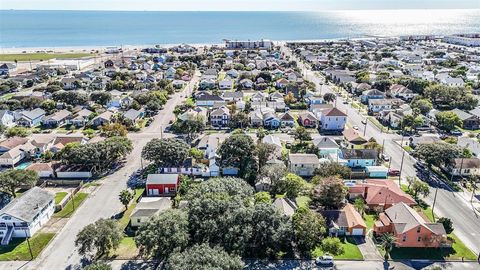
(73, 201)
(365, 128)
(401, 168)
(434, 201)
(28, 243)
(383, 147)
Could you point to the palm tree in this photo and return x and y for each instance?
(388, 241)
(125, 197)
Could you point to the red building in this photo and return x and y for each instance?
(162, 184)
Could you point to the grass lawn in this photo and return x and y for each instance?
(40, 56)
(125, 216)
(126, 250)
(351, 251)
(408, 148)
(7, 96)
(428, 213)
(303, 201)
(18, 250)
(59, 196)
(68, 210)
(456, 252)
(369, 220)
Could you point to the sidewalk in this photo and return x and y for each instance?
(472, 201)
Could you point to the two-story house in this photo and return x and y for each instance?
(303, 164)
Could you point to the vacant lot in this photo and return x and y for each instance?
(40, 56)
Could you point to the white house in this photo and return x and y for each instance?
(7, 118)
(333, 119)
(303, 164)
(148, 207)
(25, 215)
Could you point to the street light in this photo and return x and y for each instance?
(401, 168)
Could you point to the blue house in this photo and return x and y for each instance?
(359, 158)
(270, 120)
(371, 94)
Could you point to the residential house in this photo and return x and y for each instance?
(132, 116)
(470, 121)
(409, 228)
(346, 221)
(380, 193)
(195, 113)
(400, 91)
(303, 164)
(333, 120)
(43, 170)
(170, 73)
(81, 118)
(7, 119)
(10, 143)
(162, 184)
(327, 147)
(270, 120)
(31, 118)
(359, 158)
(465, 167)
(57, 119)
(7, 68)
(220, 117)
(148, 207)
(287, 119)
(471, 144)
(285, 206)
(371, 94)
(26, 214)
(233, 96)
(208, 100)
(353, 139)
(308, 119)
(207, 84)
(378, 105)
(104, 118)
(225, 84)
(256, 118)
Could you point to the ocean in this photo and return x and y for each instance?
(104, 28)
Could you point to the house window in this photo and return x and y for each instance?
(418, 229)
(404, 238)
(419, 239)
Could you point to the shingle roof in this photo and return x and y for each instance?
(27, 206)
(360, 153)
(303, 158)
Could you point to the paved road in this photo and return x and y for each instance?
(449, 204)
(103, 202)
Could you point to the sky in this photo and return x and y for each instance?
(237, 5)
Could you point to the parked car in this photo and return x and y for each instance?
(456, 132)
(394, 172)
(355, 127)
(324, 260)
(385, 157)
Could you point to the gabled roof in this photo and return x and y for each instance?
(381, 192)
(325, 142)
(334, 112)
(404, 218)
(353, 136)
(303, 159)
(162, 179)
(13, 142)
(285, 206)
(346, 217)
(360, 153)
(132, 114)
(33, 114)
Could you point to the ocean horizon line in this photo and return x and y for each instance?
(247, 11)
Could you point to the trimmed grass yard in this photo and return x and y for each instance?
(456, 252)
(40, 56)
(408, 148)
(18, 250)
(59, 196)
(126, 250)
(369, 220)
(68, 210)
(125, 216)
(351, 250)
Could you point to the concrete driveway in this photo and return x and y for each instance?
(367, 247)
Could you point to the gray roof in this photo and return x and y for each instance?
(132, 114)
(462, 114)
(359, 153)
(27, 206)
(33, 114)
(285, 206)
(150, 206)
(325, 142)
(303, 158)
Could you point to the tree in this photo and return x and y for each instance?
(448, 121)
(125, 197)
(263, 197)
(332, 246)
(264, 153)
(169, 152)
(360, 205)
(388, 242)
(330, 193)
(420, 187)
(272, 173)
(99, 238)
(328, 169)
(329, 97)
(302, 134)
(17, 131)
(190, 127)
(195, 153)
(204, 257)
(98, 266)
(309, 228)
(163, 234)
(447, 224)
(113, 130)
(239, 151)
(423, 105)
(438, 154)
(11, 180)
(239, 120)
(101, 97)
(290, 185)
(48, 105)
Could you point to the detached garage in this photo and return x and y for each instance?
(162, 184)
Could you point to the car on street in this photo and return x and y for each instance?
(324, 260)
(355, 127)
(394, 172)
(345, 102)
(385, 157)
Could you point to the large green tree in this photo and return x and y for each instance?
(163, 234)
(330, 193)
(99, 238)
(438, 154)
(448, 120)
(309, 228)
(166, 152)
(204, 257)
(328, 169)
(290, 185)
(11, 180)
(239, 151)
